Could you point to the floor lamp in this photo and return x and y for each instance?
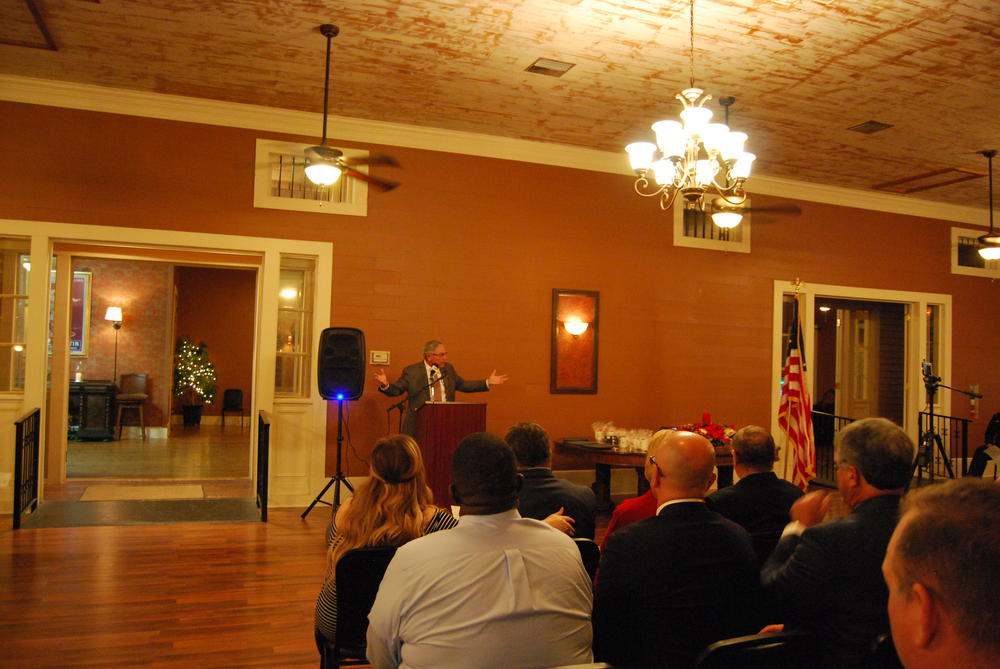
(114, 314)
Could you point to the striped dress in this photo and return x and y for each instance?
(326, 603)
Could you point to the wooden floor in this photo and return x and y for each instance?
(191, 595)
(201, 452)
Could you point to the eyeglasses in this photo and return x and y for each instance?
(652, 461)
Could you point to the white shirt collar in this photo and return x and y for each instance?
(678, 501)
(469, 519)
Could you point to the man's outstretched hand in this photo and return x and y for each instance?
(495, 379)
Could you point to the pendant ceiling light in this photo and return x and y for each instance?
(693, 155)
(325, 164)
(989, 244)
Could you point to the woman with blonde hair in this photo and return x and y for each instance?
(392, 507)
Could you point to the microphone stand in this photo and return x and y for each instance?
(399, 404)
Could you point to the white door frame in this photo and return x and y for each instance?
(916, 342)
(298, 439)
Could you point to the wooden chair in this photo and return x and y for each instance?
(132, 397)
(789, 650)
(590, 553)
(359, 574)
(232, 401)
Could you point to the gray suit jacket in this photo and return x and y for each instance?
(414, 382)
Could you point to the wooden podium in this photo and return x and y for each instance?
(440, 426)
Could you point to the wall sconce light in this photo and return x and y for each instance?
(114, 314)
(575, 326)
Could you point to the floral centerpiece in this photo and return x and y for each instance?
(719, 435)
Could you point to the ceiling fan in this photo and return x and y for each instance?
(325, 164)
(727, 215)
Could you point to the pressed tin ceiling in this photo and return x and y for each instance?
(802, 72)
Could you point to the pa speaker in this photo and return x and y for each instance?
(341, 363)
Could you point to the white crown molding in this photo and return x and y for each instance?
(255, 117)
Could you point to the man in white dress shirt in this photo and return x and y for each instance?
(496, 590)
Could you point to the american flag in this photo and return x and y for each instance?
(795, 410)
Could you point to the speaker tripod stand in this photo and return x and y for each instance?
(338, 477)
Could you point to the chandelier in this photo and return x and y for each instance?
(694, 155)
(989, 244)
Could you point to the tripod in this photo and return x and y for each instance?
(929, 438)
(338, 477)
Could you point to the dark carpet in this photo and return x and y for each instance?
(142, 512)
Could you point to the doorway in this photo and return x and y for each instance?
(159, 302)
(860, 357)
(882, 338)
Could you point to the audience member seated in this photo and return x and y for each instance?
(636, 508)
(672, 584)
(542, 493)
(760, 500)
(392, 507)
(941, 568)
(497, 591)
(826, 577)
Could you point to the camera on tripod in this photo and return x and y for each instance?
(928, 370)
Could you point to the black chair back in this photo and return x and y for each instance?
(590, 553)
(788, 650)
(232, 400)
(359, 574)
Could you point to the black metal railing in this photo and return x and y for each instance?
(953, 453)
(825, 428)
(263, 453)
(26, 465)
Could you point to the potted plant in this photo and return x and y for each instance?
(194, 379)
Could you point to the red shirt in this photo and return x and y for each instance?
(630, 511)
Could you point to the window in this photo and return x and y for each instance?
(965, 258)
(280, 182)
(695, 228)
(15, 263)
(294, 345)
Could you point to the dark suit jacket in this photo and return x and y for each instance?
(829, 580)
(672, 584)
(413, 381)
(542, 494)
(759, 503)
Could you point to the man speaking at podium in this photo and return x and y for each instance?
(432, 380)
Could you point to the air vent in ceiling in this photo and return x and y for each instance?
(549, 67)
(870, 127)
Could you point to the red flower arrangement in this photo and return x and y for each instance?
(719, 435)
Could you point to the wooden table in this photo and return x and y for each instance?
(604, 459)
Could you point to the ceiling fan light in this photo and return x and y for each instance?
(322, 174)
(989, 250)
(727, 219)
(640, 155)
(990, 239)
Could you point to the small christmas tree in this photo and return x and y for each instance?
(194, 375)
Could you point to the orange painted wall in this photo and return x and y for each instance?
(142, 290)
(469, 249)
(216, 306)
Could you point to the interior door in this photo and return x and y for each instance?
(857, 362)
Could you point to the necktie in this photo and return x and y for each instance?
(438, 385)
